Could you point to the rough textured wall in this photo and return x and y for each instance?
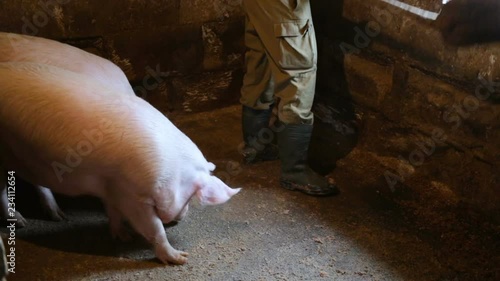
(161, 44)
(428, 114)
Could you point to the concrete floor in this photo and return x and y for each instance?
(263, 233)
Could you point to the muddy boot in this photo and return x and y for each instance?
(257, 136)
(293, 143)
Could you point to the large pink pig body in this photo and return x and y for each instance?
(65, 131)
(23, 48)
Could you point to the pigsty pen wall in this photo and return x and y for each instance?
(400, 116)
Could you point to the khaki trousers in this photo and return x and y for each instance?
(281, 58)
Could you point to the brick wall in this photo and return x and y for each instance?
(429, 114)
(162, 45)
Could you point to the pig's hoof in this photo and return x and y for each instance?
(174, 257)
(20, 220)
(55, 214)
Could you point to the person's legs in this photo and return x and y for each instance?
(256, 99)
(286, 30)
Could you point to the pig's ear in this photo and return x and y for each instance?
(211, 166)
(212, 191)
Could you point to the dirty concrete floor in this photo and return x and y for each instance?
(263, 233)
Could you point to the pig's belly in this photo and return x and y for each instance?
(73, 183)
(55, 172)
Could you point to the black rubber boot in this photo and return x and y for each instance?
(257, 136)
(293, 141)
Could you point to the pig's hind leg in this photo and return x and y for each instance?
(145, 221)
(5, 213)
(49, 204)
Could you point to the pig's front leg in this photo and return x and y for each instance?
(146, 222)
(49, 204)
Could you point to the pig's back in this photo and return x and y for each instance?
(45, 110)
(23, 48)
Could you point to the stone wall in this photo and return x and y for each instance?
(428, 114)
(162, 45)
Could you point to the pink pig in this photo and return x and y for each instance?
(24, 48)
(66, 131)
